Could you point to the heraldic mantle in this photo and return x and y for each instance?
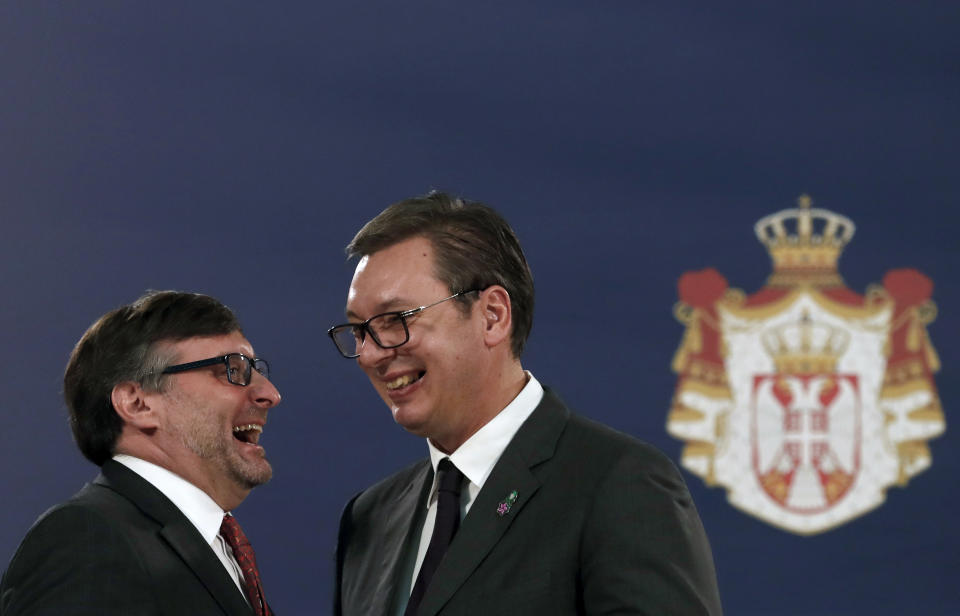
(806, 400)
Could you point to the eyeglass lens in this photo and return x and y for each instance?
(388, 330)
(240, 367)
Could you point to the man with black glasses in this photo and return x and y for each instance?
(167, 397)
(522, 507)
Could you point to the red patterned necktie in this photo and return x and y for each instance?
(243, 552)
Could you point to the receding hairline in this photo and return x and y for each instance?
(395, 300)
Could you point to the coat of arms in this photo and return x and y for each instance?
(806, 400)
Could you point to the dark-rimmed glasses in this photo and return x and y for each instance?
(239, 367)
(389, 330)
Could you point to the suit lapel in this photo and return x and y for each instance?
(179, 532)
(409, 505)
(183, 538)
(483, 526)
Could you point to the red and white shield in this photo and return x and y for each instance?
(805, 438)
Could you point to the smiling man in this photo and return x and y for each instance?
(521, 506)
(168, 398)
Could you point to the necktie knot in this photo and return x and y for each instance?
(243, 553)
(449, 477)
(231, 531)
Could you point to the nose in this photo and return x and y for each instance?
(372, 353)
(263, 391)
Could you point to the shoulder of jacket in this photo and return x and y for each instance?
(393, 486)
(610, 442)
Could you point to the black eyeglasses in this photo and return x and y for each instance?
(389, 330)
(239, 367)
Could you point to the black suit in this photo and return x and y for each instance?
(602, 524)
(118, 547)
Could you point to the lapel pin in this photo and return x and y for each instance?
(504, 507)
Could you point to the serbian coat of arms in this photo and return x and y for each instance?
(805, 400)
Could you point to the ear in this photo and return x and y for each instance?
(134, 406)
(494, 304)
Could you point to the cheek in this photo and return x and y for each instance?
(371, 375)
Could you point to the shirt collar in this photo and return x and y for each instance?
(202, 511)
(480, 453)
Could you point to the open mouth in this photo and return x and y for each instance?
(404, 380)
(248, 433)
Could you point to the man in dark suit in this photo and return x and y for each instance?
(522, 507)
(167, 396)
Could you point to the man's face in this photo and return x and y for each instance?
(432, 382)
(212, 427)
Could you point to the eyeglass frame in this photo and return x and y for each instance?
(403, 315)
(252, 364)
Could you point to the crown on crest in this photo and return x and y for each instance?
(805, 244)
(805, 347)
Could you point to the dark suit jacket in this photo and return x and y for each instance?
(118, 547)
(602, 524)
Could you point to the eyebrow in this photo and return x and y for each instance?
(394, 304)
(251, 354)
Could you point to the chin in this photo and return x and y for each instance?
(251, 476)
(252, 481)
(407, 419)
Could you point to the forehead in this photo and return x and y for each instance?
(394, 278)
(203, 347)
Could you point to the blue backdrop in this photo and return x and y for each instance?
(152, 146)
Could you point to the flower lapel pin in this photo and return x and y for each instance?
(504, 507)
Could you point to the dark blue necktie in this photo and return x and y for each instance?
(449, 479)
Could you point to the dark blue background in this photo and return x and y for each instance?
(233, 148)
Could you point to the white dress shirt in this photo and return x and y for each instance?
(205, 514)
(475, 459)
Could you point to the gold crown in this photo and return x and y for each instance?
(805, 347)
(804, 244)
